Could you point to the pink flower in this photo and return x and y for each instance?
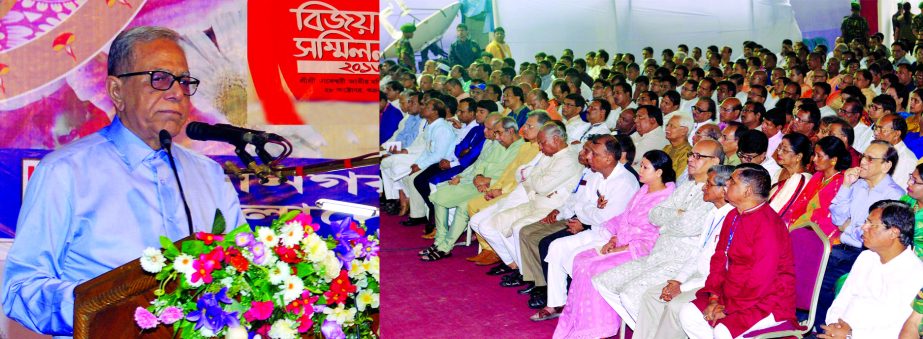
(305, 219)
(208, 238)
(259, 310)
(203, 270)
(171, 315)
(145, 319)
(305, 323)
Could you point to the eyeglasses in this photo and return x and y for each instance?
(163, 81)
(869, 158)
(801, 120)
(913, 181)
(700, 110)
(880, 128)
(747, 157)
(699, 156)
(876, 107)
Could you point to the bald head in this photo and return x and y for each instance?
(730, 109)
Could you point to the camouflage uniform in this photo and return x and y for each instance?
(855, 27)
(917, 25)
(405, 54)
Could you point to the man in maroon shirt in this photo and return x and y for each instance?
(751, 284)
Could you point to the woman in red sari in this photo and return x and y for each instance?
(793, 155)
(830, 160)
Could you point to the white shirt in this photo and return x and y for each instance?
(695, 128)
(655, 139)
(770, 165)
(587, 130)
(875, 300)
(774, 142)
(460, 133)
(692, 277)
(618, 189)
(686, 105)
(574, 128)
(906, 163)
(826, 111)
(864, 136)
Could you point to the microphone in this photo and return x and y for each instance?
(234, 135)
(166, 141)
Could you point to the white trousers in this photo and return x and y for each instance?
(392, 169)
(418, 208)
(560, 259)
(696, 327)
(658, 318)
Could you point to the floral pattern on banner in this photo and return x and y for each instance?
(29, 19)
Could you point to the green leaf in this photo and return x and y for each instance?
(169, 249)
(194, 247)
(289, 216)
(304, 269)
(219, 225)
(164, 273)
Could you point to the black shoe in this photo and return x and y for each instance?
(509, 277)
(537, 301)
(500, 269)
(539, 291)
(391, 208)
(430, 227)
(413, 221)
(515, 281)
(527, 289)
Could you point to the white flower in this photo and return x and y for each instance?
(268, 237)
(292, 289)
(366, 298)
(189, 280)
(371, 265)
(227, 281)
(316, 248)
(279, 273)
(362, 282)
(183, 264)
(152, 260)
(292, 233)
(283, 329)
(331, 266)
(340, 314)
(356, 269)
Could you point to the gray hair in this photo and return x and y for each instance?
(120, 52)
(554, 129)
(722, 173)
(497, 117)
(508, 123)
(540, 115)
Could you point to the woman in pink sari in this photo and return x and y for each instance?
(630, 235)
(830, 160)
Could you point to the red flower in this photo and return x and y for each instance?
(355, 227)
(208, 238)
(289, 255)
(303, 305)
(335, 297)
(305, 323)
(342, 283)
(237, 260)
(264, 330)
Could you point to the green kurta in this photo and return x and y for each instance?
(917, 225)
(490, 164)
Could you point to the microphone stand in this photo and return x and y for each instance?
(166, 141)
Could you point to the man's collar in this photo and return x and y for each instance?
(131, 149)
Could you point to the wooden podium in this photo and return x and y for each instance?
(104, 307)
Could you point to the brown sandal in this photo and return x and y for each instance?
(543, 315)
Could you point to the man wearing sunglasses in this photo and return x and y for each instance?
(99, 202)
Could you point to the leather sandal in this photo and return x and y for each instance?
(436, 255)
(543, 314)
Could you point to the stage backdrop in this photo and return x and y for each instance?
(307, 70)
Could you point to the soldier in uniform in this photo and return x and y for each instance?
(917, 25)
(464, 50)
(855, 27)
(404, 49)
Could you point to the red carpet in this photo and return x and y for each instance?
(450, 298)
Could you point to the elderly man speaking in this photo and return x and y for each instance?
(99, 202)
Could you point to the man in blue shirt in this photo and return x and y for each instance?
(389, 117)
(862, 187)
(99, 202)
(438, 143)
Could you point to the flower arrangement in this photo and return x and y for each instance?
(292, 278)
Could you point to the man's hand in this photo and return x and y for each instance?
(551, 217)
(482, 183)
(455, 123)
(414, 168)
(850, 176)
(838, 329)
(574, 226)
(714, 312)
(494, 193)
(444, 164)
(670, 291)
(454, 181)
(601, 201)
(393, 150)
